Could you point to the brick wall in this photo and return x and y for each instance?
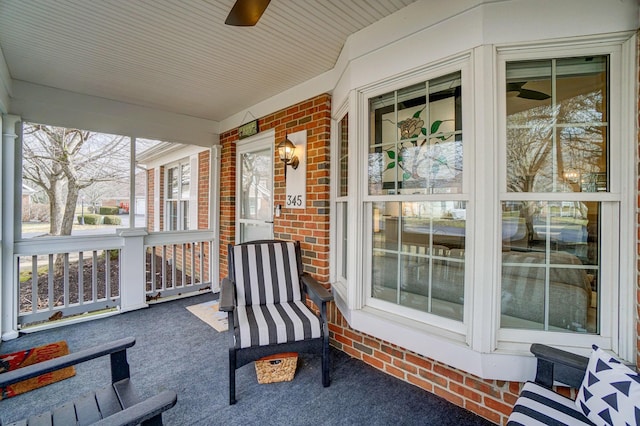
(151, 208)
(310, 225)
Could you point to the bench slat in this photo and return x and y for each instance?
(87, 409)
(126, 393)
(43, 419)
(108, 401)
(65, 414)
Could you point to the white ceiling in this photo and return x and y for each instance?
(177, 55)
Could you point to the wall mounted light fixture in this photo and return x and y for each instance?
(286, 152)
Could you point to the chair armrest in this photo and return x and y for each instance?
(64, 361)
(142, 411)
(315, 290)
(558, 365)
(227, 296)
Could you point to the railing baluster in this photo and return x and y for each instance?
(80, 278)
(107, 274)
(65, 284)
(50, 281)
(153, 268)
(34, 284)
(183, 264)
(174, 282)
(164, 267)
(193, 263)
(94, 277)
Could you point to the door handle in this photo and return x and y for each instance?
(268, 221)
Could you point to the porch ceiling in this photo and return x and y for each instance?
(178, 56)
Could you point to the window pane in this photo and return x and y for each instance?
(343, 240)
(256, 185)
(416, 147)
(172, 183)
(557, 130)
(185, 215)
(344, 155)
(172, 215)
(550, 265)
(418, 255)
(185, 180)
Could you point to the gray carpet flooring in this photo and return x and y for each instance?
(175, 350)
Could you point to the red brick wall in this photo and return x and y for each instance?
(311, 225)
(204, 166)
(151, 208)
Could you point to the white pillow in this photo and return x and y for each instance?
(610, 392)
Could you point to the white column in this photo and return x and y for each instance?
(214, 216)
(132, 263)
(8, 290)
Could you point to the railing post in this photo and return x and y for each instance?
(132, 270)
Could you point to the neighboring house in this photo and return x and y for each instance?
(174, 185)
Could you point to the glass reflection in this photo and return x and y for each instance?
(419, 255)
(557, 138)
(550, 265)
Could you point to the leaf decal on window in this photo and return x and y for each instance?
(391, 154)
(435, 126)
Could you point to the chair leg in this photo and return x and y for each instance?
(232, 376)
(325, 362)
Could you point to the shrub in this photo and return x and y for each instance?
(107, 210)
(90, 219)
(112, 220)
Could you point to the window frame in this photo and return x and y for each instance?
(339, 254)
(454, 329)
(612, 255)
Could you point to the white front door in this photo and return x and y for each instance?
(254, 202)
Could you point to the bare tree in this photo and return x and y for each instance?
(63, 162)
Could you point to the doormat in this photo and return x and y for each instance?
(208, 312)
(13, 361)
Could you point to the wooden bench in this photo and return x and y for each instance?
(116, 404)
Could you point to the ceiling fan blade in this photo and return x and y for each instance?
(533, 95)
(246, 13)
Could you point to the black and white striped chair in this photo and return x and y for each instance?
(265, 294)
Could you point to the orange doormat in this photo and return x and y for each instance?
(31, 356)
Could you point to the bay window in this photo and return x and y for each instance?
(494, 212)
(415, 199)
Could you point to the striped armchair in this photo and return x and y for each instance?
(265, 297)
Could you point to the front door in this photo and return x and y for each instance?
(254, 203)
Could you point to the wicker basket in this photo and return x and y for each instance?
(277, 368)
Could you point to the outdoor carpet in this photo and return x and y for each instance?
(209, 313)
(31, 356)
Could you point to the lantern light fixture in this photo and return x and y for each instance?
(286, 152)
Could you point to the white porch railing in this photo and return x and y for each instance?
(63, 277)
(177, 263)
(66, 277)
